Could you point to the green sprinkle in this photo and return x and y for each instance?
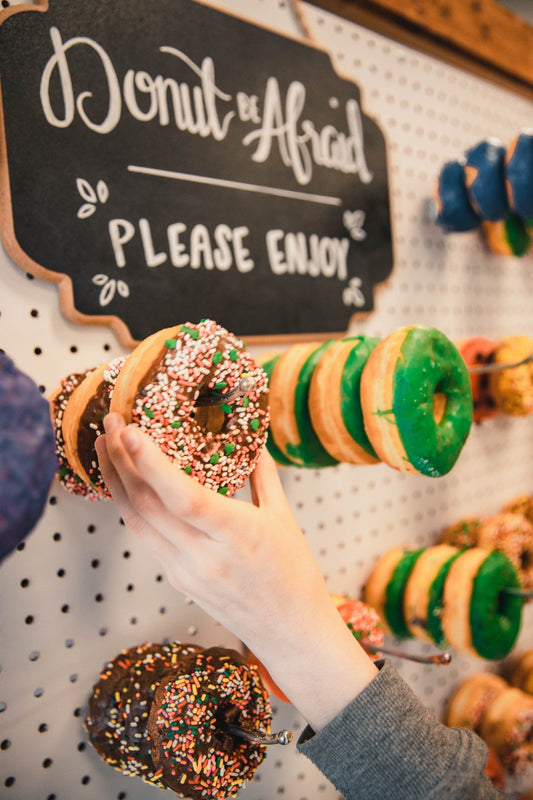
(226, 408)
(229, 448)
(254, 424)
(214, 458)
(223, 490)
(62, 472)
(188, 469)
(149, 414)
(176, 424)
(171, 343)
(218, 357)
(193, 333)
(221, 385)
(233, 355)
(245, 401)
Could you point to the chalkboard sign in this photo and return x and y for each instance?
(165, 161)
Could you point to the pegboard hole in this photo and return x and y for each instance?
(9, 782)
(47, 763)
(85, 780)
(34, 655)
(5, 745)
(38, 692)
(43, 727)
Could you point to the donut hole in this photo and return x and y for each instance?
(439, 405)
(211, 419)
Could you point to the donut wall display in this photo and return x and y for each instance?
(79, 589)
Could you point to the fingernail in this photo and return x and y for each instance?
(130, 439)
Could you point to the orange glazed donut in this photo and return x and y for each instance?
(512, 389)
(477, 352)
(202, 398)
(417, 401)
(470, 700)
(511, 534)
(83, 422)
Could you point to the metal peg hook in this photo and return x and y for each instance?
(245, 385)
(495, 367)
(438, 658)
(258, 737)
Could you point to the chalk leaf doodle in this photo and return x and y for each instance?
(91, 196)
(169, 161)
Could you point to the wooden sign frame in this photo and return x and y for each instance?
(478, 36)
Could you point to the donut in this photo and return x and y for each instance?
(463, 533)
(519, 174)
(484, 176)
(417, 401)
(28, 460)
(520, 504)
(195, 753)
(385, 588)
(363, 621)
(507, 723)
(479, 617)
(478, 351)
(511, 534)
(118, 708)
(69, 479)
(520, 672)
(416, 599)
(195, 389)
(470, 700)
(454, 211)
(436, 602)
(290, 419)
(335, 401)
(83, 422)
(268, 363)
(507, 237)
(512, 389)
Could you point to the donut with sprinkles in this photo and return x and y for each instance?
(120, 703)
(195, 389)
(83, 422)
(58, 403)
(198, 756)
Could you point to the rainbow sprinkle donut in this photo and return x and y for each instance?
(195, 753)
(195, 389)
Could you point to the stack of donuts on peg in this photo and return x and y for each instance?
(490, 187)
(500, 710)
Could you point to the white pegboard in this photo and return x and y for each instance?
(81, 587)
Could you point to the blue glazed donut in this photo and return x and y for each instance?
(454, 209)
(484, 176)
(519, 175)
(27, 454)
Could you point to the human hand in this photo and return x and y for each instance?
(247, 565)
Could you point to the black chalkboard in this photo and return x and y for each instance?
(165, 161)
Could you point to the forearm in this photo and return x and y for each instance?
(387, 745)
(320, 681)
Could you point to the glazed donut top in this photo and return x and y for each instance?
(164, 385)
(197, 755)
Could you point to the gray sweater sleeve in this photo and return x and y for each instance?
(386, 745)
